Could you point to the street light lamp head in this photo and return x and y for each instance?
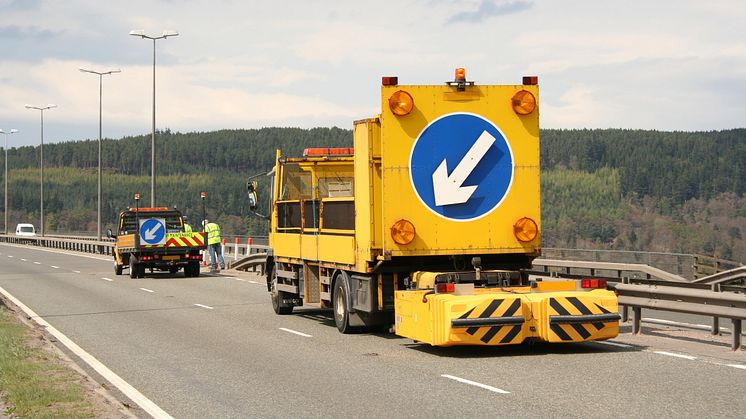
(13, 131)
(50, 106)
(169, 32)
(137, 32)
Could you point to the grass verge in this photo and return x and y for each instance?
(35, 382)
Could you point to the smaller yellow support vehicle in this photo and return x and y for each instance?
(154, 238)
(429, 224)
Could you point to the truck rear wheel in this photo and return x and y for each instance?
(134, 268)
(278, 305)
(192, 269)
(118, 268)
(341, 305)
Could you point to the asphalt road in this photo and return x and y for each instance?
(212, 347)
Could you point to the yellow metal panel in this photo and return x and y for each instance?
(436, 235)
(367, 192)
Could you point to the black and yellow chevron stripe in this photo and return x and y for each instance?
(571, 319)
(497, 321)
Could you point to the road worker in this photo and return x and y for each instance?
(213, 244)
(187, 227)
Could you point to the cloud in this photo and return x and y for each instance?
(490, 8)
(15, 32)
(16, 5)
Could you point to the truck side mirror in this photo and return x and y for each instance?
(253, 198)
(110, 235)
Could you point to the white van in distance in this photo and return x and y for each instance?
(25, 230)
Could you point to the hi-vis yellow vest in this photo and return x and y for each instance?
(213, 233)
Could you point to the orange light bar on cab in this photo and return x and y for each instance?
(389, 80)
(326, 151)
(460, 74)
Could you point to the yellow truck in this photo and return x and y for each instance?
(429, 224)
(154, 239)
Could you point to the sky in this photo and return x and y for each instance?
(638, 64)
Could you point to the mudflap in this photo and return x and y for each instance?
(496, 317)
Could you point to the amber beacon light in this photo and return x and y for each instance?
(403, 232)
(401, 103)
(525, 229)
(524, 102)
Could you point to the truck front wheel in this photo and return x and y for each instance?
(118, 268)
(278, 305)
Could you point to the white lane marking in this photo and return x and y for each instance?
(740, 367)
(123, 386)
(77, 272)
(474, 383)
(24, 260)
(620, 345)
(295, 332)
(204, 306)
(253, 282)
(691, 358)
(55, 267)
(146, 290)
(10, 256)
(37, 263)
(107, 279)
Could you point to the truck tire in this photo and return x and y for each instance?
(191, 270)
(134, 268)
(278, 296)
(340, 302)
(118, 269)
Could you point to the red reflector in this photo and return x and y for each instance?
(602, 283)
(593, 283)
(585, 283)
(530, 80)
(389, 80)
(444, 288)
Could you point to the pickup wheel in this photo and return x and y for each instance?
(340, 301)
(192, 269)
(277, 296)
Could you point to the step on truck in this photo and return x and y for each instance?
(429, 224)
(154, 239)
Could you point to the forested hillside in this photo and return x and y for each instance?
(622, 189)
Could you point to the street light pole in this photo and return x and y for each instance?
(101, 75)
(41, 110)
(164, 35)
(5, 207)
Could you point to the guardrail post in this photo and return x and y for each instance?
(636, 320)
(715, 319)
(737, 330)
(625, 309)
(249, 242)
(235, 255)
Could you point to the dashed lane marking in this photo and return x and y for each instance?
(618, 345)
(77, 272)
(146, 290)
(10, 256)
(204, 306)
(295, 332)
(476, 384)
(108, 279)
(24, 260)
(740, 367)
(55, 267)
(689, 357)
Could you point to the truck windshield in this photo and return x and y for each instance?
(27, 229)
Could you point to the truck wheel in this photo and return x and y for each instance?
(118, 269)
(134, 268)
(278, 296)
(340, 301)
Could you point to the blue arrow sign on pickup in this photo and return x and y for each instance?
(153, 231)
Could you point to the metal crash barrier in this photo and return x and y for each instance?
(86, 245)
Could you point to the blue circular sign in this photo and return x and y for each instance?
(152, 231)
(461, 166)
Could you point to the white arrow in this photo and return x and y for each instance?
(150, 234)
(448, 189)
